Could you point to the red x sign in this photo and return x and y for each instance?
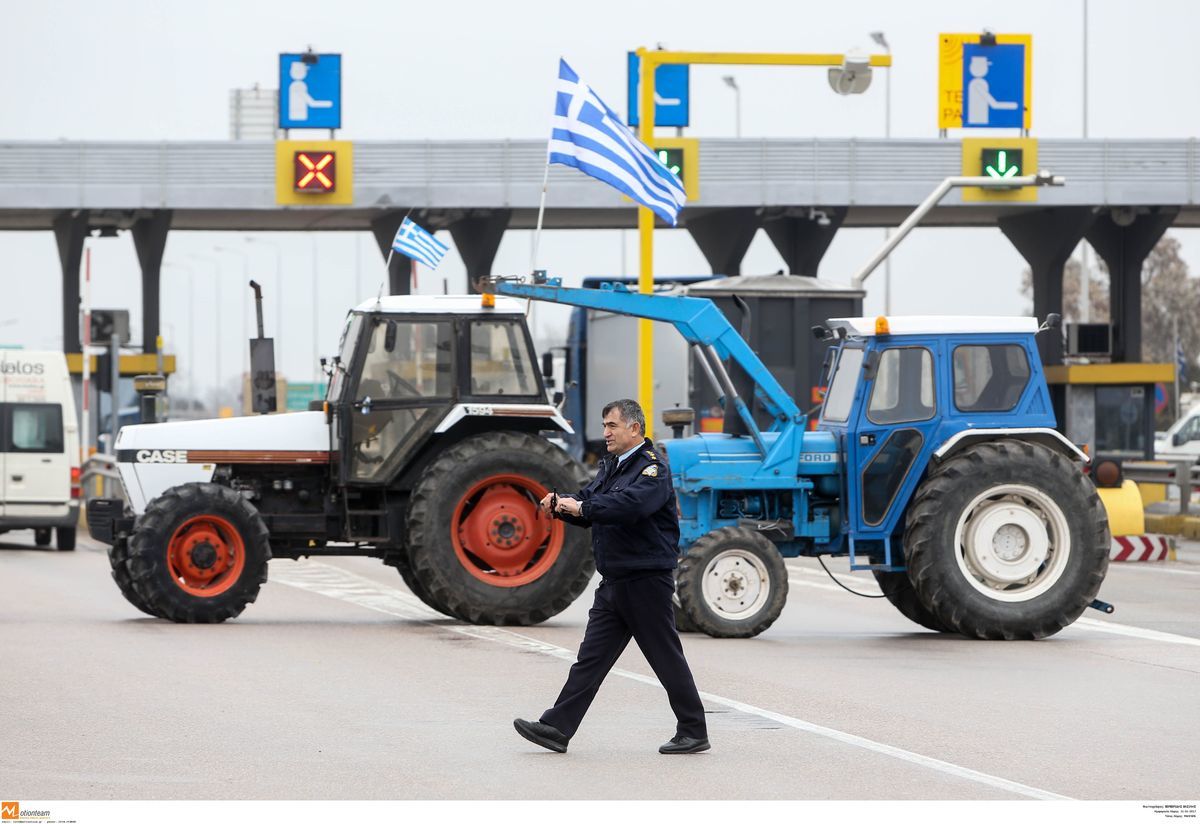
(314, 172)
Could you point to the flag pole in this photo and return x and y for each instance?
(537, 233)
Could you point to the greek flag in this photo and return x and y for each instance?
(418, 244)
(590, 136)
(1181, 362)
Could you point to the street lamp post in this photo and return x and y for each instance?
(216, 331)
(881, 40)
(191, 364)
(244, 302)
(731, 82)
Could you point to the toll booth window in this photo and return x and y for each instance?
(840, 396)
(903, 387)
(501, 363)
(989, 378)
(1121, 419)
(407, 359)
(350, 332)
(34, 427)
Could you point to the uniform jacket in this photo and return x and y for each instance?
(632, 512)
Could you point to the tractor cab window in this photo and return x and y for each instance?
(501, 362)
(346, 345)
(841, 389)
(407, 359)
(903, 387)
(989, 378)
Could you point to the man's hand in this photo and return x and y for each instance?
(545, 502)
(570, 506)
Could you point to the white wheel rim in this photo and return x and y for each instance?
(1012, 543)
(736, 585)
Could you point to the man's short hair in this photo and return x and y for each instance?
(631, 412)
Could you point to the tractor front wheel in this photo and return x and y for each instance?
(732, 583)
(198, 554)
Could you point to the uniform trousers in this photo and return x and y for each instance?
(639, 608)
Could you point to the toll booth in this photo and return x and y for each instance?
(1108, 406)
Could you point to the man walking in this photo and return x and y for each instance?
(631, 509)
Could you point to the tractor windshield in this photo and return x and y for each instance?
(345, 355)
(841, 388)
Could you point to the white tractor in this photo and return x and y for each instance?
(430, 452)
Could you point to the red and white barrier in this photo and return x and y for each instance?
(1140, 548)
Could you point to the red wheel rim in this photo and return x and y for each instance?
(499, 534)
(206, 556)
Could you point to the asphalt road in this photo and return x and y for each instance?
(339, 684)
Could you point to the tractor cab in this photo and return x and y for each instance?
(906, 389)
(408, 364)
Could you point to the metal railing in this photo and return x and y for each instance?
(1184, 475)
(100, 479)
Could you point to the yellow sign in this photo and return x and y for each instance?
(975, 149)
(682, 153)
(130, 364)
(299, 181)
(999, 94)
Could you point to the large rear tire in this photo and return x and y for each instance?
(732, 583)
(198, 554)
(478, 544)
(400, 561)
(1007, 540)
(898, 590)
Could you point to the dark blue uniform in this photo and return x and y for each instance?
(633, 515)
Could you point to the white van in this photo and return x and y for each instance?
(1182, 440)
(39, 446)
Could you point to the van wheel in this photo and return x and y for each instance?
(198, 554)
(66, 538)
(41, 536)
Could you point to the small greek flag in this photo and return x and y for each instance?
(590, 136)
(419, 245)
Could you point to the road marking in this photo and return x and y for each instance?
(334, 582)
(1111, 627)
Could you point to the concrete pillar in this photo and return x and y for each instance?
(70, 230)
(384, 228)
(724, 236)
(1124, 237)
(803, 239)
(1046, 238)
(477, 237)
(150, 239)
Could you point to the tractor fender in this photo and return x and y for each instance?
(549, 415)
(1040, 435)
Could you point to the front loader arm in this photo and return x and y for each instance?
(699, 321)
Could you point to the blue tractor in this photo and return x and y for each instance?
(934, 463)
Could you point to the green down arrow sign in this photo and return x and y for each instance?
(1002, 163)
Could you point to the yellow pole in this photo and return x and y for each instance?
(646, 247)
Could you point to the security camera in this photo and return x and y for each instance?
(854, 76)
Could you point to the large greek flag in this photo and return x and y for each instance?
(418, 244)
(590, 136)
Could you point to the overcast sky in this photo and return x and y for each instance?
(124, 70)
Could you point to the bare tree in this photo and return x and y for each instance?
(1169, 297)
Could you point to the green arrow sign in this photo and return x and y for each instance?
(1002, 163)
(673, 160)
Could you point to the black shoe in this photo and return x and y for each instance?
(543, 735)
(682, 745)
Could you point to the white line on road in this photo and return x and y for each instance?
(1092, 624)
(335, 582)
